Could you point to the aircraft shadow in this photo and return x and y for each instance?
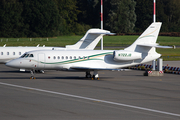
(59, 78)
(14, 72)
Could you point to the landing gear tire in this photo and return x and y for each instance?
(88, 75)
(95, 78)
(32, 77)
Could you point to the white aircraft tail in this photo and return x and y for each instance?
(147, 41)
(90, 39)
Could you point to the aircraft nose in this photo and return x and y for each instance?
(13, 63)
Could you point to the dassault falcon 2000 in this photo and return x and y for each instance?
(141, 51)
(89, 42)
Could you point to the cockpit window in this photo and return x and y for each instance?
(27, 55)
(23, 55)
(31, 55)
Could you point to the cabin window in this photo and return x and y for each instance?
(54, 57)
(66, 57)
(13, 53)
(19, 53)
(84, 57)
(79, 57)
(58, 57)
(1, 53)
(70, 57)
(49, 57)
(74, 57)
(7, 53)
(62, 57)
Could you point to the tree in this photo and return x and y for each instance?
(41, 18)
(22, 18)
(144, 12)
(121, 17)
(68, 12)
(11, 22)
(167, 12)
(89, 12)
(173, 14)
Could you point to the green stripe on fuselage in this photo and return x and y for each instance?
(91, 57)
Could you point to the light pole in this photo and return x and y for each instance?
(102, 23)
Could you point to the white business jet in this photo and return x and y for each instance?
(89, 42)
(141, 51)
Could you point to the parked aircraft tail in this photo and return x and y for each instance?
(143, 48)
(147, 38)
(90, 39)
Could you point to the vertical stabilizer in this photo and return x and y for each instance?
(90, 39)
(148, 37)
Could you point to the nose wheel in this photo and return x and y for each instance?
(32, 77)
(32, 74)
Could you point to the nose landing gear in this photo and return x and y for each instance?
(32, 74)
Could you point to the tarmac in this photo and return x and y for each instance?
(117, 95)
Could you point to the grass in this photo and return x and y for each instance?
(170, 54)
(109, 41)
(69, 40)
(60, 41)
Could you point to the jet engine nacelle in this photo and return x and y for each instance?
(122, 55)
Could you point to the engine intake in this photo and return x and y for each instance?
(122, 55)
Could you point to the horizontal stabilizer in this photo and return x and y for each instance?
(90, 39)
(154, 45)
(104, 33)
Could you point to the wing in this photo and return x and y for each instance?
(97, 69)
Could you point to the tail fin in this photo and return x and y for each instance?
(147, 40)
(90, 39)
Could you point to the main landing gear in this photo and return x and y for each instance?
(32, 74)
(94, 77)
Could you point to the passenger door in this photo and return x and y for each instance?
(41, 60)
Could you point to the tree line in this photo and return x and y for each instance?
(48, 18)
